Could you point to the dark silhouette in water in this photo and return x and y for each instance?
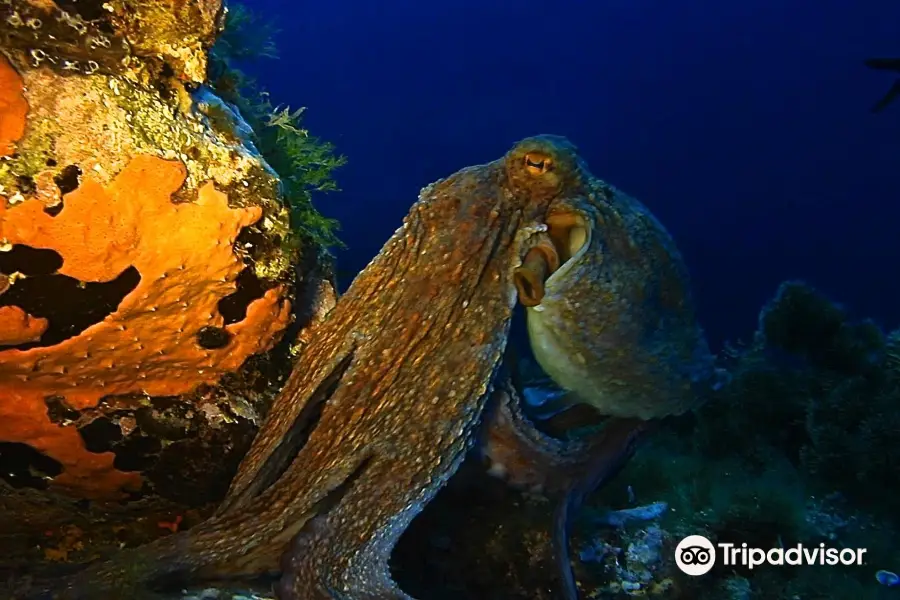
(886, 64)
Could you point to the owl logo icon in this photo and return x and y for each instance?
(695, 555)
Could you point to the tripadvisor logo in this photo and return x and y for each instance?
(695, 555)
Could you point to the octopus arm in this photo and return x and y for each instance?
(528, 458)
(287, 427)
(432, 315)
(523, 455)
(609, 452)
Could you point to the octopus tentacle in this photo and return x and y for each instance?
(317, 559)
(613, 448)
(527, 458)
(293, 421)
(451, 318)
(523, 455)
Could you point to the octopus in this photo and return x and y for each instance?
(407, 375)
(614, 325)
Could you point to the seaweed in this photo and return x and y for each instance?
(304, 163)
(800, 447)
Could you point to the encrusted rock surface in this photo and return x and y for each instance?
(149, 284)
(154, 38)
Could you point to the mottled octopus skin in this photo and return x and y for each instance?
(400, 373)
(617, 324)
(522, 455)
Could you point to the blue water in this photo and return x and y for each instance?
(744, 126)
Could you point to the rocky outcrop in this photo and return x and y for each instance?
(148, 274)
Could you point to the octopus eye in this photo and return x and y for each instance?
(537, 163)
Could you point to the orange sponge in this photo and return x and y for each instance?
(185, 257)
(12, 108)
(18, 327)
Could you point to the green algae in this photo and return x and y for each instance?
(305, 163)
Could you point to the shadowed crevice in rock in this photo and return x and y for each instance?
(70, 305)
(233, 307)
(30, 261)
(254, 246)
(185, 455)
(213, 338)
(481, 539)
(100, 435)
(91, 10)
(68, 179)
(23, 466)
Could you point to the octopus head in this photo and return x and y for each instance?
(548, 169)
(544, 167)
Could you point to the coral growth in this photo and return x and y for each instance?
(18, 327)
(178, 32)
(150, 262)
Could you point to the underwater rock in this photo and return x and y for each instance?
(630, 563)
(619, 518)
(147, 270)
(887, 578)
(161, 39)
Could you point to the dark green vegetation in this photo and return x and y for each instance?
(801, 447)
(304, 163)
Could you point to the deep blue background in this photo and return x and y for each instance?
(744, 126)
